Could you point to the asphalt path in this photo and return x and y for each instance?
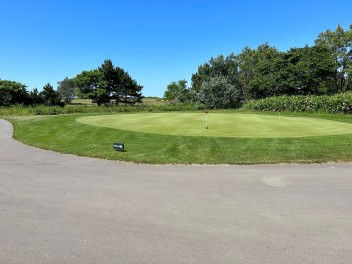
(57, 208)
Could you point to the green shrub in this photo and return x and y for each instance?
(47, 110)
(73, 109)
(339, 103)
(16, 110)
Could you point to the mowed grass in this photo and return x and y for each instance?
(220, 124)
(64, 134)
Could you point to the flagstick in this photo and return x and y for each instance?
(206, 119)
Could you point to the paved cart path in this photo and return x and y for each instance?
(57, 208)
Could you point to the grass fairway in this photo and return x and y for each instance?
(220, 124)
(64, 134)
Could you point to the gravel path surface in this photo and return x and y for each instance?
(57, 208)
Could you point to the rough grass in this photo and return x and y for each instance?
(75, 109)
(64, 134)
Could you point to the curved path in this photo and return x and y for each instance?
(57, 208)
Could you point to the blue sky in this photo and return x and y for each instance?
(157, 42)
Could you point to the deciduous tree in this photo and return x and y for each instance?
(218, 92)
(219, 70)
(258, 70)
(177, 91)
(339, 42)
(66, 90)
(308, 70)
(12, 93)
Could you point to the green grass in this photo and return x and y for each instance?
(64, 134)
(220, 124)
(78, 101)
(153, 100)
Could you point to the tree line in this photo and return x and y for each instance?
(13, 93)
(227, 81)
(105, 85)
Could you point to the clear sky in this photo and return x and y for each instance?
(156, 42)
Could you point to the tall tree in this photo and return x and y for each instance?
(265, 71)
(339, 42)
(220, 66)
(308, 70)
(50, 96)
(36, 98)
(66, 90)
(128, 90)
(91, 85)
(258, 71)
(109, 79)
(108, 83)
(218, 93)
(12, 93)
(177, 91)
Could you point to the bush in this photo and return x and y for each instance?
(339, 103)
(72, 109)
(17, 110)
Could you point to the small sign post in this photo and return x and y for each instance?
(206, 119)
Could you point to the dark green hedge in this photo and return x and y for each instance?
(339, 103)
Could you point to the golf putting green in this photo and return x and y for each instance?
(220, 124)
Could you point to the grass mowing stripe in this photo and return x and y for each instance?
(64, 134)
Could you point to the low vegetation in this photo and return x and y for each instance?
(63, 134)
(72, 109)
(339, 103)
